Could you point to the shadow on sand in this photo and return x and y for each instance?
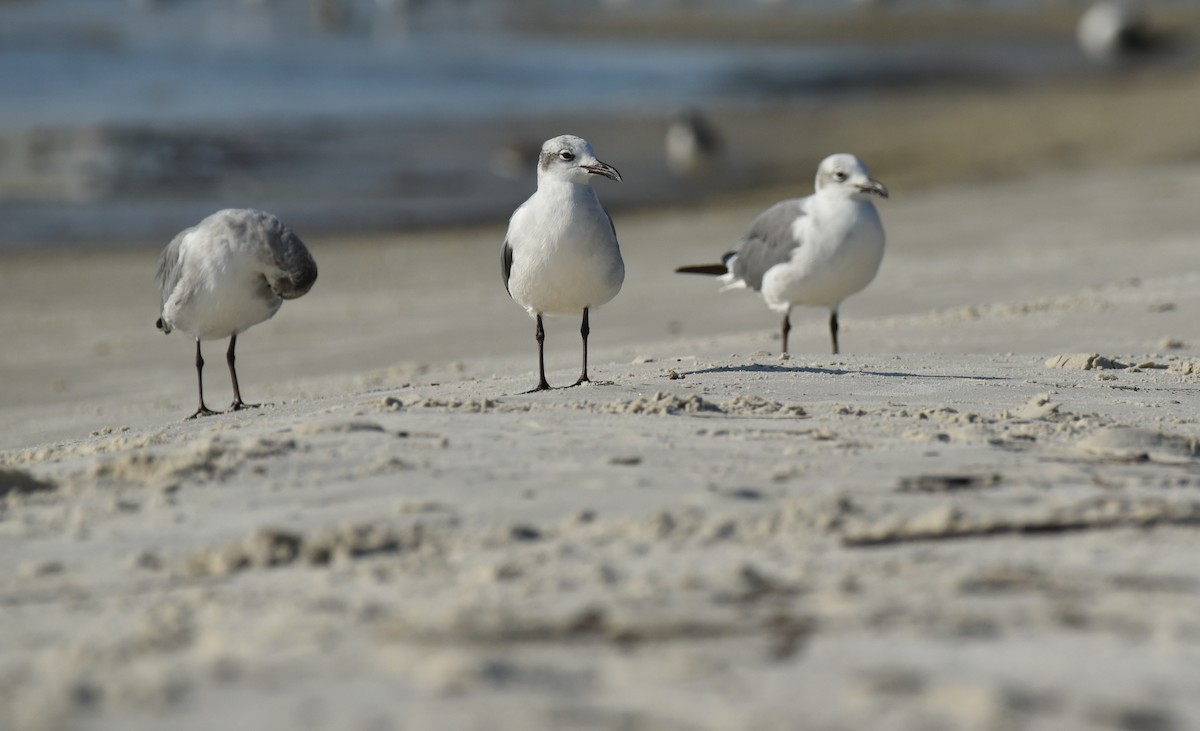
(771, 368)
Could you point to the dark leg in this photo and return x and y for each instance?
(541, 339)
(833, 328)
(787, 328)
(203, 410)
(584, 330)
(237, 404)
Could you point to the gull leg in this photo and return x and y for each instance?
(237, 404)
(540, 334)
(787, 328)
(584, 330)
(833, 329)
(203, 410)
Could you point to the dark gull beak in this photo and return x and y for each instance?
(873, 187)
(603, 168)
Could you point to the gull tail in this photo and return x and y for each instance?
(723, 271)
(712, 270)
(709, 269)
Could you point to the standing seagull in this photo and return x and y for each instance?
(231, 271)
(1116, 32)
(561, 256)
(814, 251)
(692, 143)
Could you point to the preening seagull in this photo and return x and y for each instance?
(813, 251)
(560, 256)
(229, 272)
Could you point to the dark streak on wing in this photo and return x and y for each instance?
(506, 264)
(768, 242)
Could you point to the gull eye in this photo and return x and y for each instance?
(567, 155)
(839, 175)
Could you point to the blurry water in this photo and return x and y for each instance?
(128, 119)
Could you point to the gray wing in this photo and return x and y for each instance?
(768, 242)
(611, 226)
(293, 270)
(506, 264)
(170, 271)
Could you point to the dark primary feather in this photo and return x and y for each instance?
(768, 242)
(506, 264)
(710, 269)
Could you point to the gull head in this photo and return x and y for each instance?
(844, 174)
(570, 159)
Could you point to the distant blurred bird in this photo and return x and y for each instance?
(395, 18)
(229, 272)
(515, 159)
(329, 15)
(814, 251)
(692, 143)
(560, 256)
(1113, 32)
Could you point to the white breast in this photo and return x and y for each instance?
(565, 255)
(840, 256)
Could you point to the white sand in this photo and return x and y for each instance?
(935, 529)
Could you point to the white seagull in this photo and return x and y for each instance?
(813, 251)
(560, 256)
(229, 272)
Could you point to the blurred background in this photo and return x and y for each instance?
(124, 121)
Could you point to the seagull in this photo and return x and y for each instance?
(229, 272)
(560, 256)
(513, 159)
(691, 143)
(814, 251)
(1114, 32)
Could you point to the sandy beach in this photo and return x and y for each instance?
(982, 515)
